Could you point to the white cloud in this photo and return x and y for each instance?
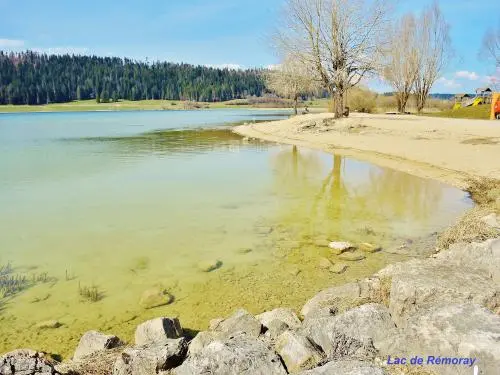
(449, 83)
(11, 43)
(466, 74)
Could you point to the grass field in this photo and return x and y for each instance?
(479, 112)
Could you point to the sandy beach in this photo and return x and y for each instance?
(449, 150)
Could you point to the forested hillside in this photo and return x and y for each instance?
(32, 78)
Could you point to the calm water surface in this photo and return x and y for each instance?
(126, 201)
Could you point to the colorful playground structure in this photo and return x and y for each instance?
(484, 95)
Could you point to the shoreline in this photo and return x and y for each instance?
(367, 137)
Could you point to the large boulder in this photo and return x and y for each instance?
(343, 297)
(93, 341)
(240, 322)
(285, 315)
(459, 330)
(481, 256)
(155, 297)
(297, 352)
(201, 340)
(422, 284)
(147, 360)
(241, 354)
(157, 331)
(355, 333)
(346, 368)
(26, 362)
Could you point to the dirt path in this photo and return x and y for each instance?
(449, 150)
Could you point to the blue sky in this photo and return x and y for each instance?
(218, 33)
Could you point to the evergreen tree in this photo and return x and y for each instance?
(32, 78)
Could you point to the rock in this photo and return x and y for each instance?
(352, 256)
(491, 220)
(338, 268)
(209, 265)
(297, 352)
(242, 355)
(158, 331)
(340, 247)
(244, 250)
(155, 297)
(355, 333)
(346, 368)
(368, 247)
(214, 323)
(457, 330)
(324, 263)
(263, 230)
(321, 242)
(147, 360)
(483, 257)
(285, 315)
(48, 324)
(422, 284)
(26, 362)
(240, 322)
(275, 328)
(201, 340)
(294, 271)
(101, 362)
(93, 341)
(344, 296)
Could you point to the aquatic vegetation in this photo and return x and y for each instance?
(12, 283)
(90, 293)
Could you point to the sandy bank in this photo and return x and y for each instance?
(449, 150)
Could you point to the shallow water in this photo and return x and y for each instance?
(126, 201)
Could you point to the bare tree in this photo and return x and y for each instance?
(491, 45)
(291, 79)
(434, 53)
(401, 59)
(340, 39)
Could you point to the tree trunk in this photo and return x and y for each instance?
(338, 103)
(295, 104)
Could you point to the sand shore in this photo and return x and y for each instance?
(449, 150)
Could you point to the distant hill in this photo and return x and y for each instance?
(32, 78)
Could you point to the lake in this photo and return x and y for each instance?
(122, 202)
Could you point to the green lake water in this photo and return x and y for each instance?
(126, 201)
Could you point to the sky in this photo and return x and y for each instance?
(233, 33)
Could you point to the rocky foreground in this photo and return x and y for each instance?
(444, 309)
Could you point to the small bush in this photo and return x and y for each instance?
(361, 100)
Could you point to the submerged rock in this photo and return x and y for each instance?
(93, 341)
(324, 263)
(155, 297)
(26, 362)
(368, 247)
(209, 265)
(352, 256)
(48, 324)
(147, 360)
(158, 331)
(338, 268)
(340, 247)
(320, 242)
(297, 352)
